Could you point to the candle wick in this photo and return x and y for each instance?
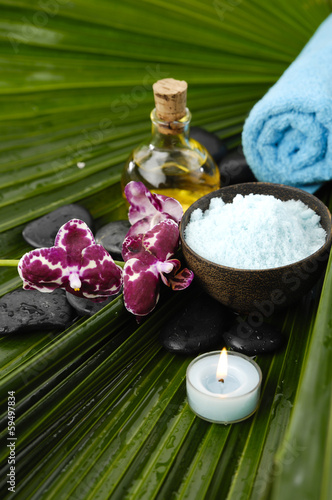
(221, 380)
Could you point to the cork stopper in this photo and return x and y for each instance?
(170, 98)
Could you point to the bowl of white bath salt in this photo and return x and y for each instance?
(256, 245)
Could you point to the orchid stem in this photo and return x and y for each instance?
(119, 263)
(9, 263)
(14, 263)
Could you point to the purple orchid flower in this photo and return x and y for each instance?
(148, 209)
(75, 263)
(148, 259)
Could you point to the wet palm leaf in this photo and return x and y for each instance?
(101, 409)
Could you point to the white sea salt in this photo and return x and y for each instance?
(255, 232)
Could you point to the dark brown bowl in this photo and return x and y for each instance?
(246, 290)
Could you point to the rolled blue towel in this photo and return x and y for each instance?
(287, 137)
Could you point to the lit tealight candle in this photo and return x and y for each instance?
(223, 387)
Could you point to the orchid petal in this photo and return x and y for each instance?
(164, 267)
(132, 247)
(74, 281)
(143, 203)
(144, 225)
(141, 285)
(176, 265)
(44, 269)
(171, 206)
(99, 274)
(139, 198)
(177, 280)
(181, 280)
(162, 240)
(173, 266)
(73, 237)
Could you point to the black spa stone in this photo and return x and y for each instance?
(111, 237)
(215, 146)
(197, 328)
(25, 310)
(234, 169)
(263, 339)
(42, 232)
(86, 307)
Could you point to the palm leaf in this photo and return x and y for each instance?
(101, 409)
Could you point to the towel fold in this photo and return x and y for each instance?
(287, 137)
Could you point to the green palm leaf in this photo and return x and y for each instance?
(101, 409)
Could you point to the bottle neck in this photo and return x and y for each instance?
(171, 131)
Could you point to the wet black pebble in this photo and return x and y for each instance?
(42, 232)
(198, 327)
(24, 310)
(215, 146)
(234, 169)
(86, 307)
(249, 340)
(111, 237)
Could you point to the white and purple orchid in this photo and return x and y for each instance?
(148, 260)
(75, 263)
(83, 268)
(148, 209)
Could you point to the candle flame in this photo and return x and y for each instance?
(222, 366)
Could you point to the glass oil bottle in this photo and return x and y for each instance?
(171, 163)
